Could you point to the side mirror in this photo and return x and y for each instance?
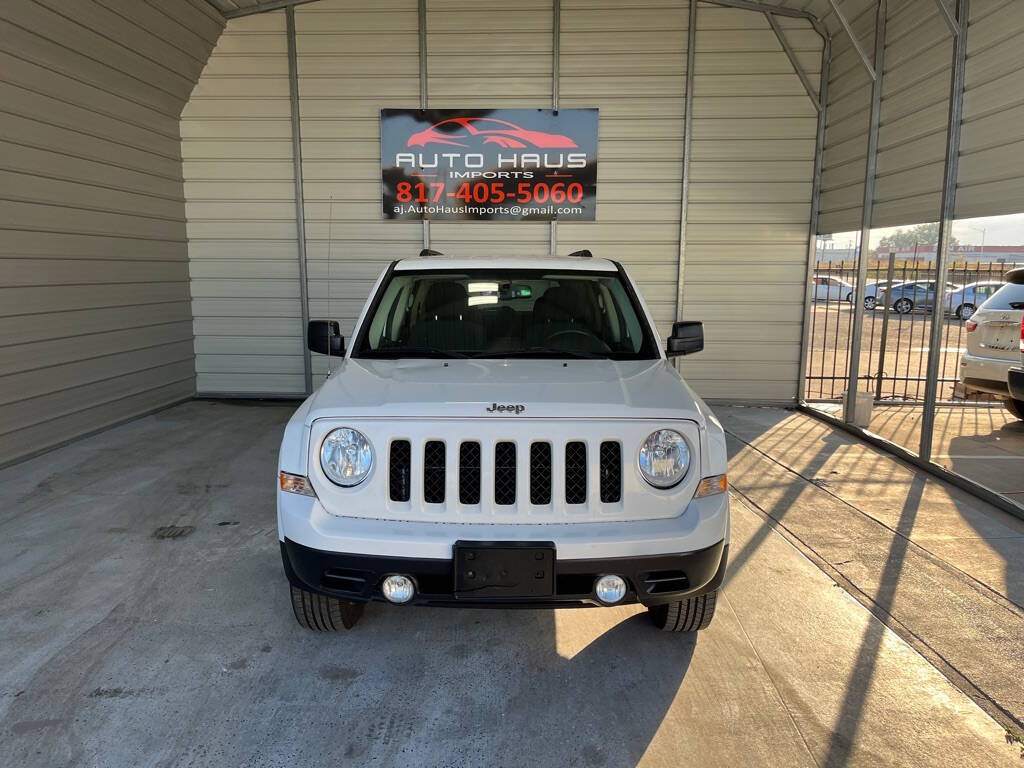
(324, 336)
(687, 337)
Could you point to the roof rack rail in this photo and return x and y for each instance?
(429, 252)
(584, 254)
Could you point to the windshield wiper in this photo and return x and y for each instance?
(389, 353)
(541, 352)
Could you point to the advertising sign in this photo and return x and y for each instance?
(489, 164)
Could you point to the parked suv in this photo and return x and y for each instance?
(504, 432)
(993, 344)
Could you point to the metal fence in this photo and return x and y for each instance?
(894, 343)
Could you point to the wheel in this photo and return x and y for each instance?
(964, 311)
(689, 615)
(870, 302)
(324, 614)
(903, 306)
(849, 297)
(1016, 407)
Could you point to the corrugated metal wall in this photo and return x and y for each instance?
(489, 53)
(240, 201)
(353, 59)
(746, 253)
(627, 59)
(846, 128)
(991, 177)
(95, 324)
(914, 114)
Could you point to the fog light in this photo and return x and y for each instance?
(398, 589)
(610, 589)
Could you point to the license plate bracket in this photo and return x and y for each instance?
(496, 570)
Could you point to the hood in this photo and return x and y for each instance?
(468, 388)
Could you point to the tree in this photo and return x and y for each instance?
(921, 235)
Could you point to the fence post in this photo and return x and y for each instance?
(885, 328)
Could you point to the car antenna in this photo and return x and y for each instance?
(429, 252)
(330, 245)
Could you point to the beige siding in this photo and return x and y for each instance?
(746, 245)
(847, 119)
(914, 115)
(641, 102)
(355, 57)
(991, 179)
(239, 187)
(94, 303)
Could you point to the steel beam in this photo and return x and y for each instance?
(857, 326)
(300, 201)
(424, 94)
(812, 245)
(270, 5)
(942, 249)
(873, 71)
(556, 48)
(684, 192)
(949, 17)
(752, 5)
(791, 55)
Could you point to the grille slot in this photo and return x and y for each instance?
(469, 473)
(400, 470)
(540, 473)
(505, 473)
(433, 472)
(611, 472)
(575, 472)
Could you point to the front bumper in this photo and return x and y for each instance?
(651, 579)
(1015, 379)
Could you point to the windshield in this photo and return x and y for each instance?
(499, 313)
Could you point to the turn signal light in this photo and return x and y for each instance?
(711, 486)
(296, 484)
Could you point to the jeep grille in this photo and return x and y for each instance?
(504, 472)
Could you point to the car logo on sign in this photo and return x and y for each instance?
(511, 408)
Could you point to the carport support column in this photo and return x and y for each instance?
(422, 23)
(556, 47)
(300, 202)
(956, 103)
(684, 192)
(812, 245)
(857, 326)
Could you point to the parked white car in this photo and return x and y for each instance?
(504, 431)
(994, 337)
(830, 288)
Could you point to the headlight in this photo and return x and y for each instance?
(346, 456)
(664, 458)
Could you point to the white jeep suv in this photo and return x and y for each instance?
(504, 432)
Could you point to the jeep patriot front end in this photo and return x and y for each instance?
(504, 432)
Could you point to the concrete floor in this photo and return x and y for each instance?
(118, 649)
(983, 443)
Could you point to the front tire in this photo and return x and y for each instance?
(964, 311)
(1015, 407)
(870, 302)
(689, 615)
(903, 306)
(320, 613)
